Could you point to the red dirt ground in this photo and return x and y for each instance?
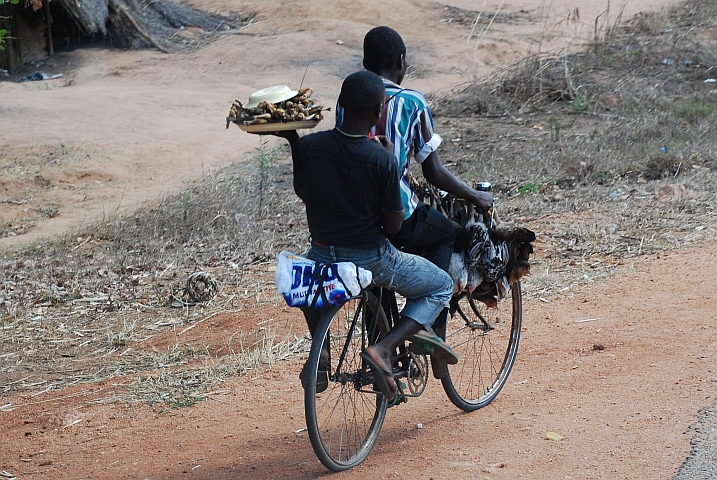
(622, 410)
(138, 123)
(123, 127)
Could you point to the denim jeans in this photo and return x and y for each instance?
(428, 233)
(426, 288)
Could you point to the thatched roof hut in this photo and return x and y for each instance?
(39, 27)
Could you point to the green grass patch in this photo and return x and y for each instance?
(694, 111)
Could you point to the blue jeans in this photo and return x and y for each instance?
(426, 288)
(428, 233)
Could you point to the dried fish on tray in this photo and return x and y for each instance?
(276, 108)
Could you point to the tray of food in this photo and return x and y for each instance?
(276, 108)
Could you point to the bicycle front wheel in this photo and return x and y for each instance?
(344, 418)
(486, 341)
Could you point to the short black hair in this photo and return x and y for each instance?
(362, 91)
(381, 48)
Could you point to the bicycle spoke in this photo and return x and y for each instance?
(486, 345)
(343, 422)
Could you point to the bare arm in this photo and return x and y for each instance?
(292, 136)
(438, 176)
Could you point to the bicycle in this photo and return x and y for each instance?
(345, 411)
(344, 418)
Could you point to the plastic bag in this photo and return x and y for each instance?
(304, 282)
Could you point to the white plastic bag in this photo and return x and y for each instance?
(333, 284)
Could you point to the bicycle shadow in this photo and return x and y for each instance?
(282, 452)
(265, 457)
(417, 423)
(288, 454)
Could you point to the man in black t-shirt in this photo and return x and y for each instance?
(349, 184)
(345, 181)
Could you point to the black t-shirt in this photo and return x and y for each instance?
(345, 183)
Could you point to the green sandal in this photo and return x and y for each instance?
(425, 343)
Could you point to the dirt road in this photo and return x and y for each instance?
(120, 128)
(620, 370)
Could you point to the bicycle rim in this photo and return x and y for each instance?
(486, 355)
(344, 421)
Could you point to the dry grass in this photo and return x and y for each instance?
(636, 62)
(178, 387)
(580, 143)
(93, 295)
(32, 176)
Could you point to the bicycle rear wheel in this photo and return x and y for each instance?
(486, 341)
(344, 420)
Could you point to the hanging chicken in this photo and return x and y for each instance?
(486, 254)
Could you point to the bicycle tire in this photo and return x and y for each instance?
(486, 356)
(343, 422)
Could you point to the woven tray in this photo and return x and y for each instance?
(278, 126)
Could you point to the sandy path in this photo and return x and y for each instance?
(149, 120)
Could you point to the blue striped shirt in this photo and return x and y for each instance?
(401, 124)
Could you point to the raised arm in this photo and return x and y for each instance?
(439, 176)
(292, 136)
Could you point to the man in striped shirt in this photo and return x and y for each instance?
(407, 123)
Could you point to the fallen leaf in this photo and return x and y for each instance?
(672, 191)
(553, 436)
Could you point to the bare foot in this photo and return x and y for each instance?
(385, 366)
